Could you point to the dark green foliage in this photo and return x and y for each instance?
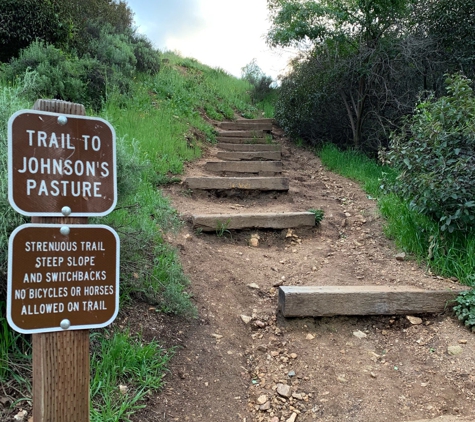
(435, 151)
(261, 83)
(148, 59)
(465, 308)
(319, 214)
(25, 21)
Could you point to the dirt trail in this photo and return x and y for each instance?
(230, 370)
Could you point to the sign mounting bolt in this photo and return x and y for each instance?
(64, 230)
(65, 324)
(62, 120)
(66, 211)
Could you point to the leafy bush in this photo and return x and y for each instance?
(26, 21)
(435, 152)
(465, 310)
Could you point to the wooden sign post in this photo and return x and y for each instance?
(61, 170)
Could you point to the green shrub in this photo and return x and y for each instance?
(465, 308)
(435, 152)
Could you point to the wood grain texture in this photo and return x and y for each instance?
(247, 156)
(242, 133)
(244, 166)
(249, 147)
(246, 125)
(212, 222)
(245, 183)
(61, 368)
(240, 139)
(315, 301)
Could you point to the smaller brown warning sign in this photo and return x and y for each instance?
(62, 277)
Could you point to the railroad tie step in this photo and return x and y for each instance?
(249, 147)
(244, 166)
(246, 125)
(223, 138)
(243, 183)
(320, 301)
(217, 222)
(249, 155)
(242, 133)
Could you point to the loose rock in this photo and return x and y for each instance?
(400, 256)
(284, 390)
(262, 399)
(292, 418)
(246, 319)
(414, 320)
(454, 350)
(359, 334)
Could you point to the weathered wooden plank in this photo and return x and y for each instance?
(242, 133)
(234, 140)
(249, 147)
(313, 301)
(248, 156)
(212, 222)
(245, 183)
(245, 125)
(245, 166)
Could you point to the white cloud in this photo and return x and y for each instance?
(220, 33)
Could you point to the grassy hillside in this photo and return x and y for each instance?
(161, 121)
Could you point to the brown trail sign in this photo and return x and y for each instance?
(62, 277)
(61, 169)
(61, 160)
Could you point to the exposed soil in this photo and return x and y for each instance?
(229, 370)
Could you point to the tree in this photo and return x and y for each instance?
(22, 22)
(353, 42)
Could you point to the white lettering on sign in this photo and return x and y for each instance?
(44, 308)
(63, 188)
(62, 167)
(40, 139)
(61, 276)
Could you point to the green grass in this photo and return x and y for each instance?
(122, 360)
(447, 254)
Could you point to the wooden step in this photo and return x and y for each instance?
(245, 183)
(212, 222)
(245, 125)
(249, 147)
(317, 301)
(242, 133)
(250, 141)
(245, 166)
(249, 156)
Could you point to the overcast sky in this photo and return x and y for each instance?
(220, 33)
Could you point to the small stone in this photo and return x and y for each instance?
(265, 406)
(274, 419)
(217, 336)
(123, 389)
(454, 350)
(259, 324)
(291, 374)
(292, 418)
(293, 355)
(400, 256)
(246, 319)
(274, 353)
(414, 320)
(262, 348)
(253, 242)
(297, 396)
(310, 337)
(359, 334)
(284, 390)
(342, 379)
(373, 375)
(253, 286)
(262, 399)
(20, 415)
(463, 341)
